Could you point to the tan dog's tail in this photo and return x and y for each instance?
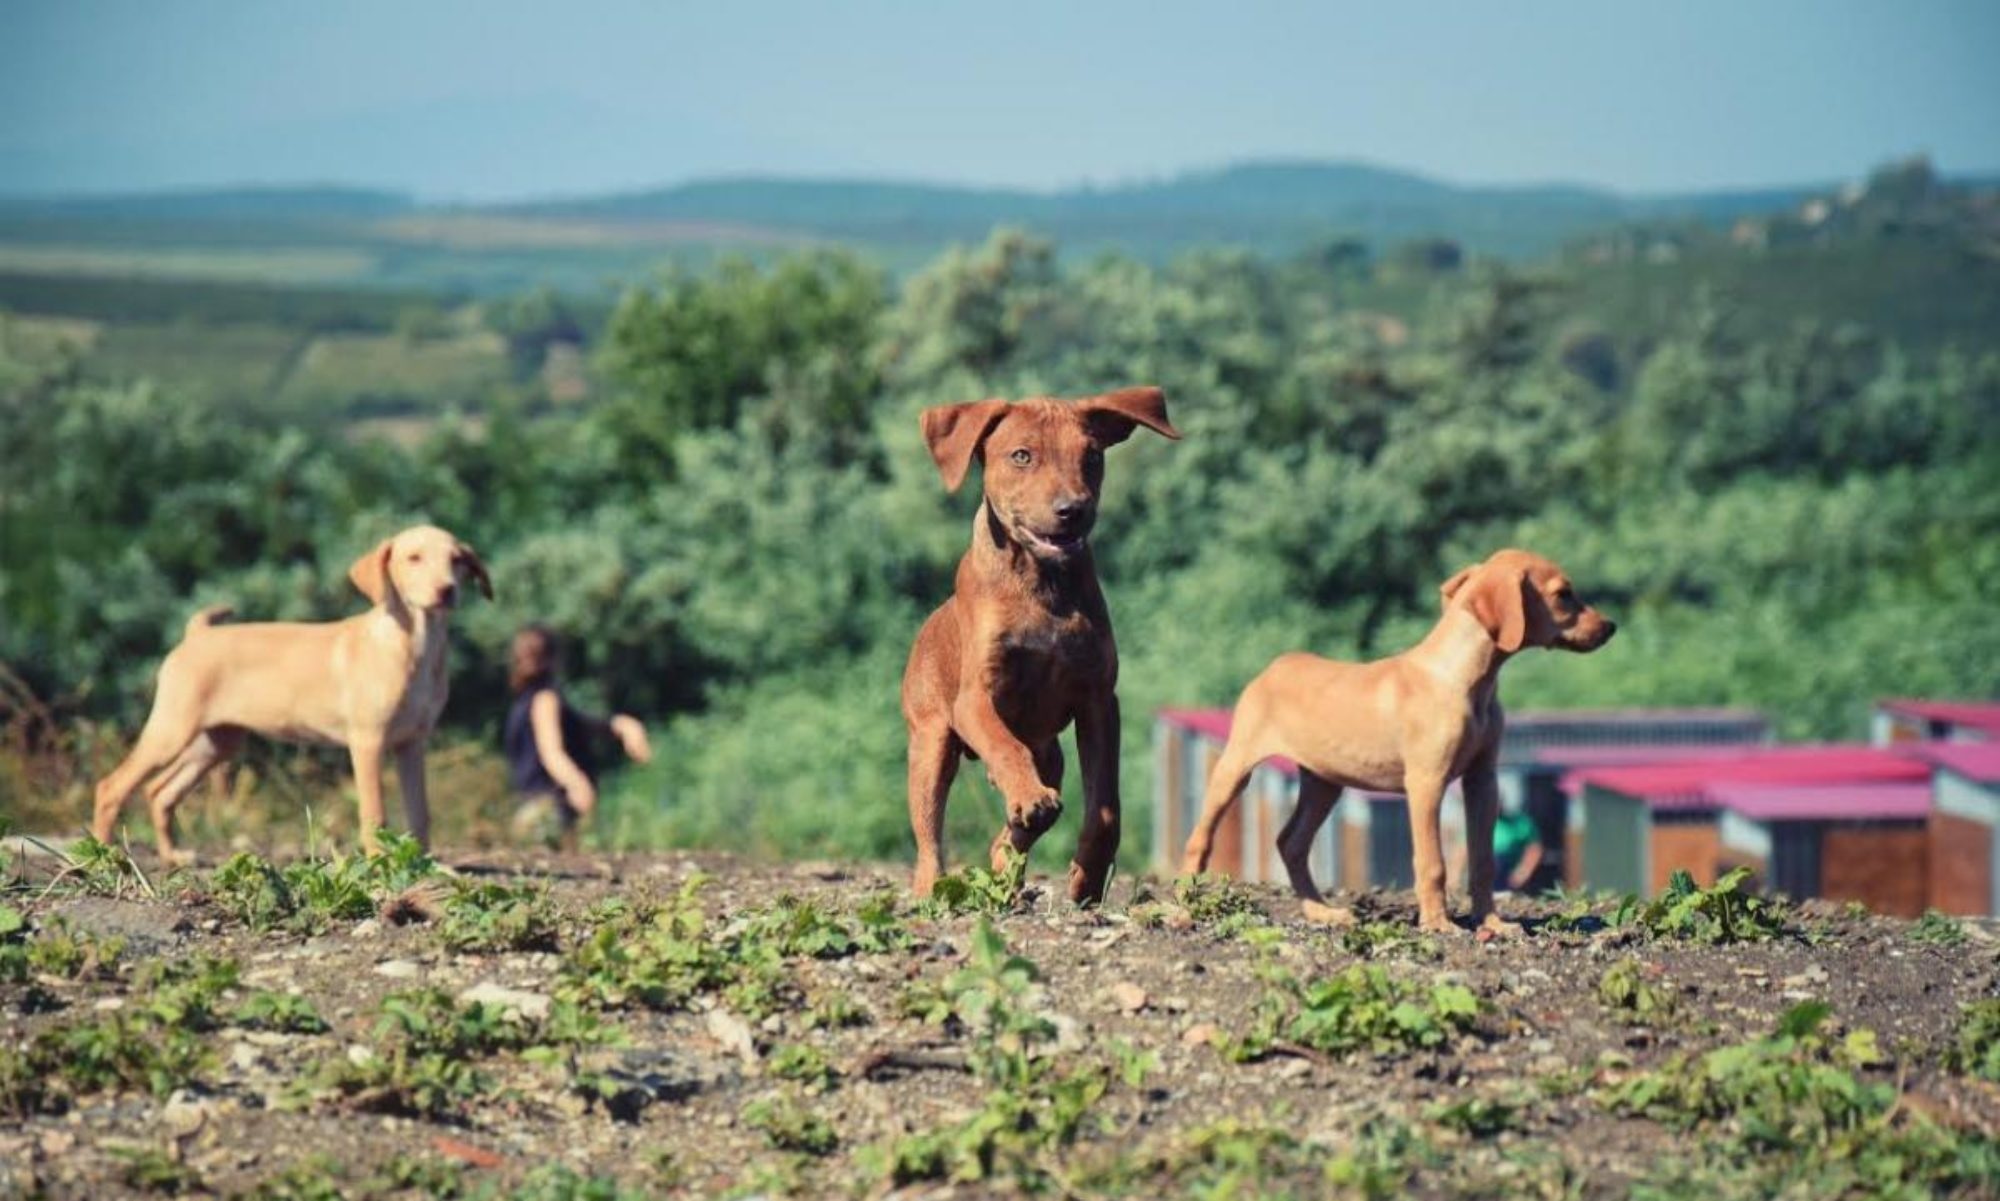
(206, 618)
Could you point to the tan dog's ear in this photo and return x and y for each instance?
(1498, 601)
(954, 434)
(470, 558)
(370, 572)
(1503, 597)
(1114, 415)
(1450, 587)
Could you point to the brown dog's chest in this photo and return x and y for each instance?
(1041, 668)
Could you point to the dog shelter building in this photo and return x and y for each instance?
(1366, 843)
(1844, 822)
(1965, 827)
(1900, 721)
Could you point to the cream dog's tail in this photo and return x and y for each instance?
(207, 618)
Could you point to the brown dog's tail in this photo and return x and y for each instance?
(204, 619)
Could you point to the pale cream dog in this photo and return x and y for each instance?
(373, 683)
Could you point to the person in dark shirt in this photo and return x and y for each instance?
(547, 742)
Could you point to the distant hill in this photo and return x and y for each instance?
(1272, 206)
(218, 204)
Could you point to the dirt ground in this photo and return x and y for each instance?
(1151, 993)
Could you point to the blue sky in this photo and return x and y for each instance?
(499, 98)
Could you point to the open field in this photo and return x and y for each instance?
(672, 1024)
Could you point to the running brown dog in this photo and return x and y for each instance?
(1410, 723)
(373, 683)
(1024, 645)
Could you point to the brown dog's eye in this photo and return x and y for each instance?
(1022, 457)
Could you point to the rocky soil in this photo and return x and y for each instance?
(614, 1025)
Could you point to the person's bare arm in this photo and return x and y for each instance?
(1524, 871)
(545, 718)
(631, 734)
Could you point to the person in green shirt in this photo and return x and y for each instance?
(1517, 847)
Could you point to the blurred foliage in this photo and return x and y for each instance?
(741, 535)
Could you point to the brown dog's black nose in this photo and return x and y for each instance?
(1071, 508)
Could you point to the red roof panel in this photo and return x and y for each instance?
(1974, 760)
(1684, 784)
(1832, 802)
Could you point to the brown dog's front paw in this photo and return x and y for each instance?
(1494, 926)
(1035, 817)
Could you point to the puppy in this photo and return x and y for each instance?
(1410, 723)
(373, 683)
(1024, 645)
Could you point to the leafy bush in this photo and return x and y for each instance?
(1722, 913)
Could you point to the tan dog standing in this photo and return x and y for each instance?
(373, 683)
(1024, 645)
(1410, 723)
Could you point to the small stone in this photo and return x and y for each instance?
(242, 1056)
(1202, 1034)
(1292, 1069)
(1128, 997)
(397, 969)
(366, 928)
(733, 1033)
(109, 1003)
(1175, 1004)
(358, 1054)
(531, 1005)
(57, 1142)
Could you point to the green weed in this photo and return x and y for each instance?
(1362, 1008)
(1975, 1050)
(789, 1126)
(1720, 914)
(1938, 930)
(1792, 1112)
(977, 889)
(1626, 989)
(489, 919)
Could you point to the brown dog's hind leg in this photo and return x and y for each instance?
(934, 753)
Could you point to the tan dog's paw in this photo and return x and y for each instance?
(1322, 914)
(1439, 923)
(1494, 926)
(177, 857)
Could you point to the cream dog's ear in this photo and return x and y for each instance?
(464, 553)
(370, 572)
(955, 434)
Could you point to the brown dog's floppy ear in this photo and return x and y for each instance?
(1450, 587)
(370, 572)
(470, 558)
(1114, 415)
(954, 434)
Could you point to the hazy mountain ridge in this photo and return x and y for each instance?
(1265, 204)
